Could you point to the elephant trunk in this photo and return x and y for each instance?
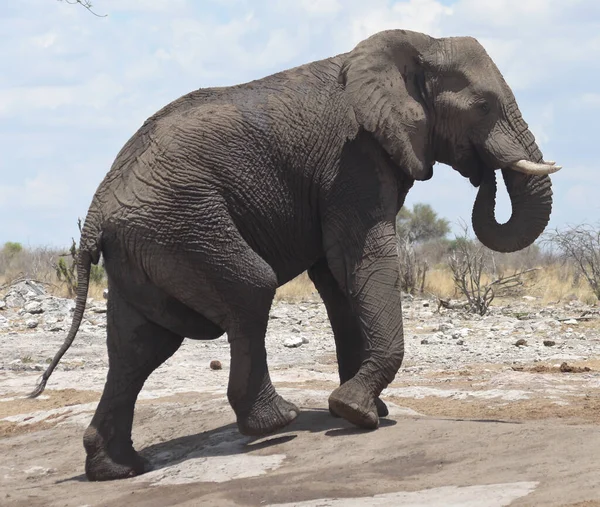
(530, 196)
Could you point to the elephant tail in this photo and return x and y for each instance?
(85, 260)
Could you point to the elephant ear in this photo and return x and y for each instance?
(384, 79)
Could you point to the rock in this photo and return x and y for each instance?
(105, 293)
(31, 323)
(293, 342)
(461, 333)
(53, 324)
(14, 300)
(33, 307)
(304, 339)
(521, 342)
(460, 342)
(98, 309)
(566, 368)
(216, 365)
(2, 305)
(549, 343)
(424, 341)
(425, 304)
(528, 298)
(571, 322)
(445, 327)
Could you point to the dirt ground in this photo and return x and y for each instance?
(479, 436)
(485, 412)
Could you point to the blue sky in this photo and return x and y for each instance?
(74, 88)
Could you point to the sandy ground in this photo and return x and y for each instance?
(481, 433)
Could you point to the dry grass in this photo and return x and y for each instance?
(553, 283)
(439, 282)
(298, 289)
(55, 287)
(557, 283)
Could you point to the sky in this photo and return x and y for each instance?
(75, 87)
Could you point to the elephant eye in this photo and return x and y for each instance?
(484, 107)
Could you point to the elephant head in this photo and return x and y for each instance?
(444, 100)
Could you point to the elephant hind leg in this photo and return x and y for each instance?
(136, 347)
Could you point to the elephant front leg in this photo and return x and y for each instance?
(350, 343)
(258, 407)
(367, 273)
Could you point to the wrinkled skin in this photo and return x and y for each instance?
(228, 193)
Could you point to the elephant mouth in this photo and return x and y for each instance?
(486, 165)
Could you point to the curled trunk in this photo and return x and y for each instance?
(530, 197)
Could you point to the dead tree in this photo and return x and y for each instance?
(475, 275)
(581, 245)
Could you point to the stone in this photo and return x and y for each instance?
(14, 300)
(461, 333)
(549, 343)
(571, 322)
(424, 341)
(98, 309)
(215, 365)
(2, 305)
(105, 293)
(521, 342)
(445, 327)
(33, 307)
(460, 342)
(293, 342)
(31, 323)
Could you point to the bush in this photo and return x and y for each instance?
(581, 245)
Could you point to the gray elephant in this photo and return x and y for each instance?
(227, 193)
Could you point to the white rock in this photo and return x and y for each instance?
(105, 293)
(34, 307)
(2, 305)
(293, 342)
(31, 323)
(571, 322)
(446, 326)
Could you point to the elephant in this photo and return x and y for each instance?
(227, 193)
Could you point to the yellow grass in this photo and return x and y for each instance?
(551, 284)
(554, 283)
(298, 289)
(559, 283)
(439, 282)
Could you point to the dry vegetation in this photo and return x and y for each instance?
(556, 280)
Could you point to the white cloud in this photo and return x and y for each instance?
(43, 192)
(97, 93)
(79, 86)
(590, 99)
(320, 6)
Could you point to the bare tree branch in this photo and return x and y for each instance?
(86, 4)
(581, 245)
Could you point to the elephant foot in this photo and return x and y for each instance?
(382, 409)
(355, 404)
(268, 418)
(121, 461)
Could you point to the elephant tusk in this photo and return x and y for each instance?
(527, 167)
